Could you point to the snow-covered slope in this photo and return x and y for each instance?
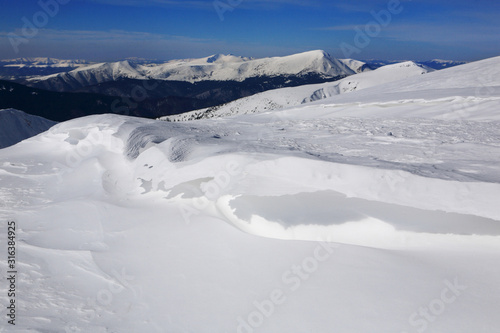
(467, 91)
(380, 204)
(98, 73)
(16, 126)
(287, 97)
(234, 68)
(215, 68)
(356, 65)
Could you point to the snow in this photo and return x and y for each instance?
(239, 69)
(214, 68)
(379, 204)
(474, 96)
(16, 126)
(97, 73)
(286, 97)
(355, 65)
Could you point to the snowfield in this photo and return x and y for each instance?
(373, 211)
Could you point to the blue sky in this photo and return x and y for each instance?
(170, 29)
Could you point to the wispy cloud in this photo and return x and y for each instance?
(118, 44)
(479, 16)
(106, 45)
(441, 33)
(159, 3)
(349, 27)
(430, 32)
(208, 4)
(111, 35)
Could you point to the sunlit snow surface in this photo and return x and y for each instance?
(375, 211)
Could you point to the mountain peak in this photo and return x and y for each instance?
(317, 61)
(225, 58)
(314, 54)
(214, 58)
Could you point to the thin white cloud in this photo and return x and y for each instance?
(53, 34)
(161, 3)
(208, 4)
(429, 32)
(349, 27)
(118, 44)
(438, 33)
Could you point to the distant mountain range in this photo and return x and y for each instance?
(217, 67)
(434, 64)
(149, 89)
(23, 68)
(314, 65)
(153, 90)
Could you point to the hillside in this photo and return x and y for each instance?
(16, 126)
(357, 65)
(288, 97)
(62, 106)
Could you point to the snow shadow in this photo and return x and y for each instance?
(332, 208)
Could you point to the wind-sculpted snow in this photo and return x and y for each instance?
(144, 137)
(386, 203)
(330, 215)
(381, 160)
(425, 147)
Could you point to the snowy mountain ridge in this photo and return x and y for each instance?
(287, 97)
(357, 65)
(213, 68)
